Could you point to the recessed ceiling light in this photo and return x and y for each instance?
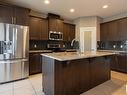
(46, 1)
(72, 10)
(105, 6)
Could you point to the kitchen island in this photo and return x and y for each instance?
(72, 73)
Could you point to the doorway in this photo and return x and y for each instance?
(88, 39)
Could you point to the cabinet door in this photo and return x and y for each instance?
(55, 25)
(52, 24)
(72, 32)
(59, 25)
(69, 32)
(35, 28)
(112, 31)
(66, 32)
(35, 65)
(44, 29)
(99, 71)
(122, 62)
(21, 16)
(122, 25)
(114, 62)
(103, 31)
(6, 14)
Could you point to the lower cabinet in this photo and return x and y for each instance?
(119, 62)
(114, 62)
(35, 63)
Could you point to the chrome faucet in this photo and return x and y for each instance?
(72, 42)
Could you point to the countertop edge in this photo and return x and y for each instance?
(67, 59)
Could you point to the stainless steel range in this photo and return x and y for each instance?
(14, 52)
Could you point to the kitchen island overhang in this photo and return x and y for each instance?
(73, 73)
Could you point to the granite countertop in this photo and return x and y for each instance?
(65, 56)
(40, 51)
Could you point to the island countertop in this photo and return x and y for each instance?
(65, 56)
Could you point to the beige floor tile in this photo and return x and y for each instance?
(40, 93)
(33, 86)
(6, 86)
(7, 92)
(22, 83)
(24, 91)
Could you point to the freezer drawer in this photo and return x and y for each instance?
(13, 70)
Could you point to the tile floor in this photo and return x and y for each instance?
(33, 86)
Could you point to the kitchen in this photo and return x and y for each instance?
(43, 48)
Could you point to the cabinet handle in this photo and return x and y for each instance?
(12, 20)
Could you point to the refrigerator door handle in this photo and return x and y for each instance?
(13, 42)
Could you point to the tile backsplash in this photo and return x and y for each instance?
(41, 45)
(37, 45)
(112, 45)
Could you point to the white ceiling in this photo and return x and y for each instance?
(82, 7)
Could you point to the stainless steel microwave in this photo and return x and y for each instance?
(55, 35)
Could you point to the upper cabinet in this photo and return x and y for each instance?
(122, 28)
(14, 14)
(55, 24)
(21, 16)
(6, 13)
(103, 31)
(38, 28)
(69, 32)
(114, 30)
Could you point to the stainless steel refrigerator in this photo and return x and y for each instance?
(14, 52)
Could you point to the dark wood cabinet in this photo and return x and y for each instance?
(6, 13)
(35, 63)
(99, 71)
(119, 62)
(55, 24)
(44, 29)
(122, 62)
(122, 28)
(14, 14)
(114, 30)
(109, 31)
(38, 28)
(21, 16)
(114, 63)
(103, 31)
(72, 33)
(112, 34)
(69, 32)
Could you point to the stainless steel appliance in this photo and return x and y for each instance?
(14, 52)
(55, 35)
(53, 46)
